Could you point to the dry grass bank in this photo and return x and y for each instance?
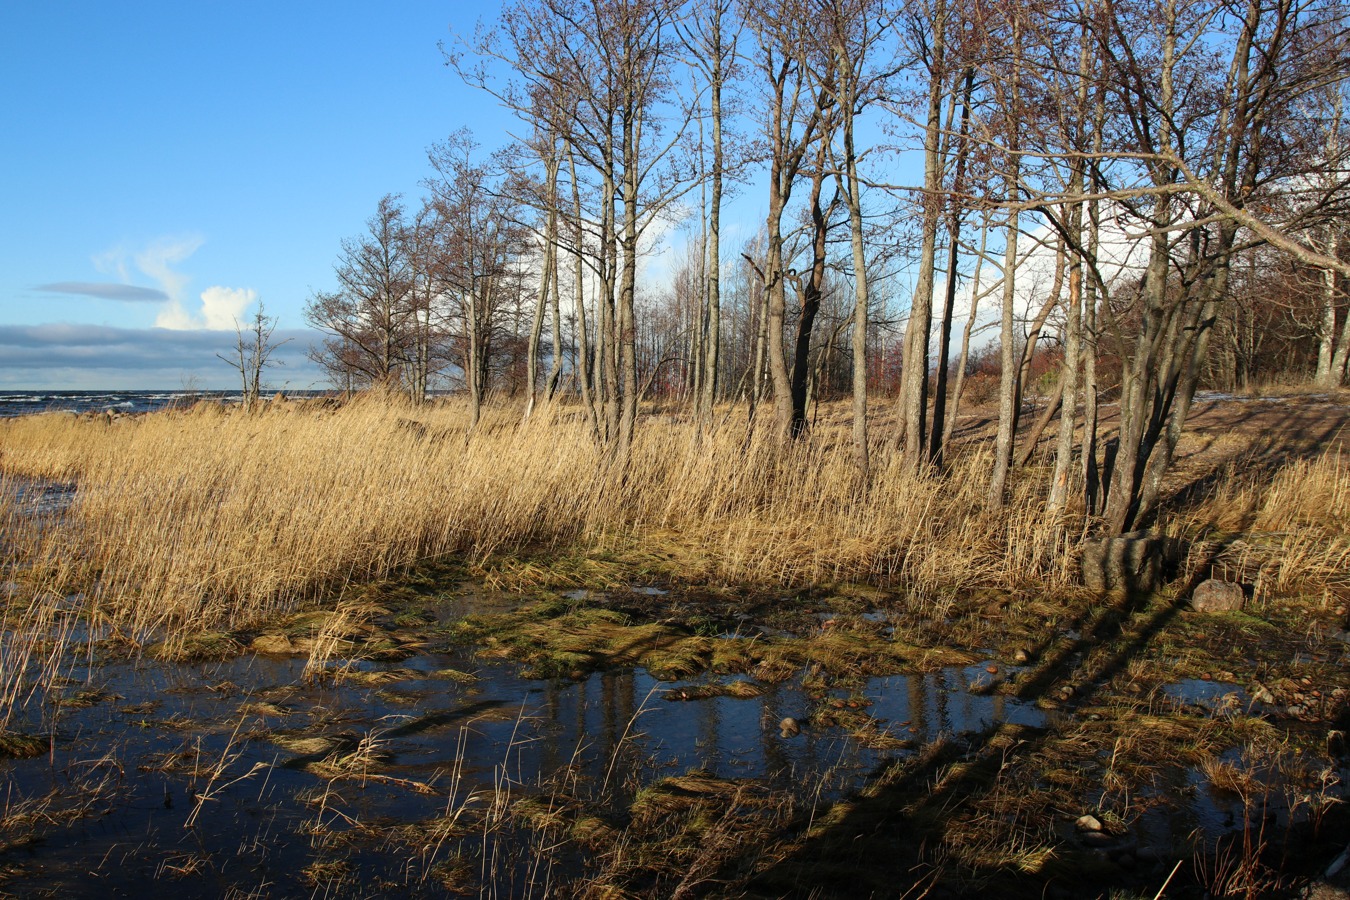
(210, 516)
(1285, 531)
(213, 517)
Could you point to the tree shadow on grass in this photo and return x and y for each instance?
(899, 836)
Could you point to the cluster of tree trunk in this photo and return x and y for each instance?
(1152, 193)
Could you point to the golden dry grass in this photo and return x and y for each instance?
(1296, 524)
(216, 518)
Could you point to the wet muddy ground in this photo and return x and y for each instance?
(648, 741)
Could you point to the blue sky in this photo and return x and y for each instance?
(169, 163)
(166, 165)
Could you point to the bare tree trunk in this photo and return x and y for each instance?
(608, 346)
(939, 430)
(1331, 359)
(810, 295)
(1068, 381)
(774, 320)
(1341, 357)
(547, 277)
(555, 310)
(1091, 469)
(914, 383)
(761, 375)
(632, 124)
(1329, 372)
(1008, 377)
(713, 245)
(471, 360)
(583, 357)
(861, 302)
(949, 421)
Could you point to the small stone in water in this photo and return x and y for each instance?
(1021, 656)
(789, 727)
(1088, 823)
(991, 669)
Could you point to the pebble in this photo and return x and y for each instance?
(991, 669)
(789, 727)
(1088, 823)
(1021, 656)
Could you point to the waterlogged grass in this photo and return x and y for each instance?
(988, 806)
(570, 638)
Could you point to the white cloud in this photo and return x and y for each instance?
(161, 255)
(223, 307)
(217, 307)
(174, 317)
(114, 262)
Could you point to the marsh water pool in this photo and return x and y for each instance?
(246, 777)
(439, 766)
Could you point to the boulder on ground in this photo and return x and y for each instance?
(1217, 596)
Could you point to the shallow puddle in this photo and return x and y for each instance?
(1215, 696)
(238, 775)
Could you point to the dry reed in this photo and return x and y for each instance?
(216, 518)
(1296, 523)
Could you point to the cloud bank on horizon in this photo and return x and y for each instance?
(80, 357)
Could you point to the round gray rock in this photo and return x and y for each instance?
(1217, 596)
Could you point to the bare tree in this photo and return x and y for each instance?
(712, 33)
(797, 113)
(368, 317)
(862, 64)
(484, 250)
(253, 351)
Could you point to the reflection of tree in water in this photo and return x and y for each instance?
(773, 710)
(931, 690)
(709, 742)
